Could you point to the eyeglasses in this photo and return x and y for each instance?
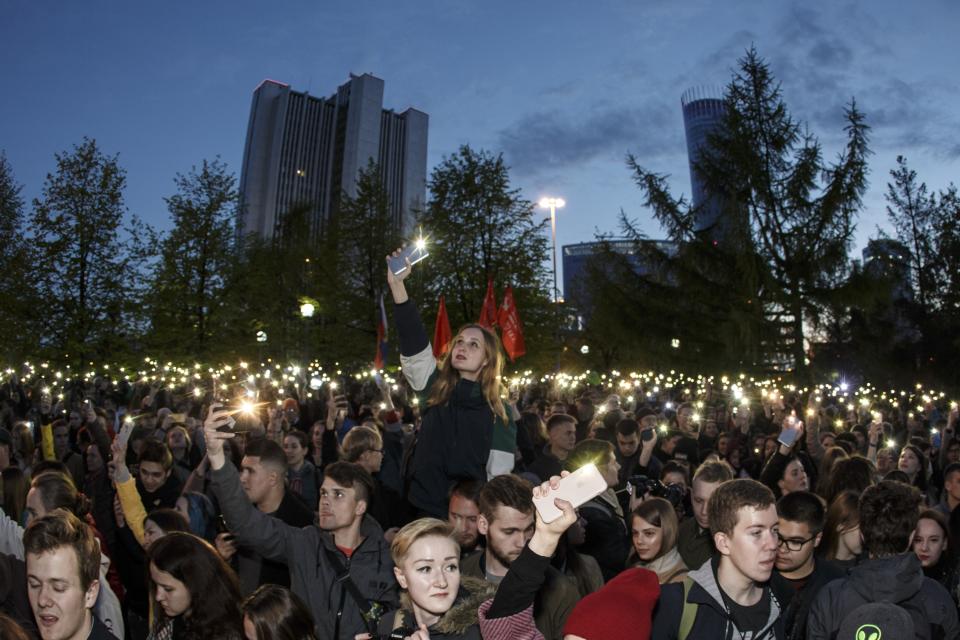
(792, 544)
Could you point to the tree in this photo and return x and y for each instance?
(948, 252)
(945, 341)
(913, 212)
(340, 275)
(665, 305)
(274, 277)
(196, 261)
(366, 233)
(927, 223)
(781, 201)
(17, 295)
(83, 268)
(479, 227)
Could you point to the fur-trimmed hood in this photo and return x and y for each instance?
(462, 615)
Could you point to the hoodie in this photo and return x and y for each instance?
(713, 619)
(898, 580)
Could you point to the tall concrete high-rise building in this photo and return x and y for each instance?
(702, 113)
(303, 150)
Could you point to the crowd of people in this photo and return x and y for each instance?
(368, 511)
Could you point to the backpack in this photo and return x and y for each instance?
(876, 620)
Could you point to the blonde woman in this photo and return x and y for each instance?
(466, 430)
(437, 602)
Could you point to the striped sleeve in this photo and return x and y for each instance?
(519, 626)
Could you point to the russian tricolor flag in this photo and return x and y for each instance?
(381, 358)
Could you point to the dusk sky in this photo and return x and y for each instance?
(564, 89)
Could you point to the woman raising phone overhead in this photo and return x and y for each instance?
(467, 430)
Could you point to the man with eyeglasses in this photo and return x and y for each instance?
(802, 516)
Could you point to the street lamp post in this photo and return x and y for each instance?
(553, 204)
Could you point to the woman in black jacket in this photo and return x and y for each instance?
(466, 431)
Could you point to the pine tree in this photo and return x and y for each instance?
(788, 215)
(947, 229)
(927, 223)
(913, 211)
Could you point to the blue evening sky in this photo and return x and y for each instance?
(563, 88)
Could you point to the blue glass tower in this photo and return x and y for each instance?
(702, 113)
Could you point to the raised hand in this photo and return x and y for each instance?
(395, 281)
(546, 536)
(225, 545)
(217, 417)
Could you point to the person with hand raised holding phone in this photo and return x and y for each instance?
(786, 470)
(467, 431)
(510, 614)
(342, 568)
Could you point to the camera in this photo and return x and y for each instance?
(671, 492)
(399, 634)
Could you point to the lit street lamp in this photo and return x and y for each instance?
(553, 204)
(307, 309)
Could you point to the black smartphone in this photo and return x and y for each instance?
(230, 425)
(222, 528)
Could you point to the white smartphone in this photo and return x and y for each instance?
(415, 252)
(790, 431)
(126, 428)
(578, 487)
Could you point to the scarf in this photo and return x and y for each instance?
(666, 566)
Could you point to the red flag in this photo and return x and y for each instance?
(510, 328)
(488, 313)
(441, 332)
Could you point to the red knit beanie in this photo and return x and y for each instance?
(623, 608)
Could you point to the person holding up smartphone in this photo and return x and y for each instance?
(467, 430)
(788, 470)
